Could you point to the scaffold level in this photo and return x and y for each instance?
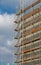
(28, 47)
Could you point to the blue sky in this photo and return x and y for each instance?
(7, 25)
(8, 6)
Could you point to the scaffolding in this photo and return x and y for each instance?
(28, 35)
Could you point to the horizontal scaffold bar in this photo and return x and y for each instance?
(27, 42)
(36, 44)
(25, 33)
(34, 20)
(26, 16)
(31, 13)
(32, 31)
(36, 57)
(23, 10)
(28, 59)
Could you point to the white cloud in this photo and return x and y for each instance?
(6, 20)
(9, 43)
(7, 25)
(5, 50)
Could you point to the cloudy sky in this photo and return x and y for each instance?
(7, 25)
(7, 17)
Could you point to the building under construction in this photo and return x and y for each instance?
(29, 35)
